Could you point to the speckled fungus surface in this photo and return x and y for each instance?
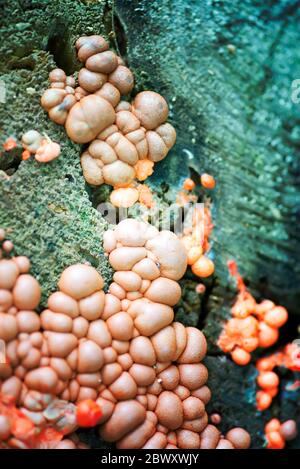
(120, 350)
(125, 139)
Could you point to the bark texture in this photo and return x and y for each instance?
(226, 69)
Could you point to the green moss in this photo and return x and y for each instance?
(48, 215)
(55, 25)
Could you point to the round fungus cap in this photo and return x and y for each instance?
(80, 281)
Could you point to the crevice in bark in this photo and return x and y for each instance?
(287, 10)
(24, 63)
(205, 308)
(58, 45)
(120, 35)
(10, 164)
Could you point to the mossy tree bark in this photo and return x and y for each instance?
(226, 69)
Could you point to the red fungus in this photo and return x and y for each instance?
(9, 144)
(88, 413)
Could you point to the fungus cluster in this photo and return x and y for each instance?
(119, 352)
(277, 433)
(196, 242)
(125, 140)
(18, 431)
(22, 382)
(42, 147)
(267, 380)
(207, 181)
(252, 325)
(9, 144)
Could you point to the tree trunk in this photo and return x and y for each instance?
(226, 69)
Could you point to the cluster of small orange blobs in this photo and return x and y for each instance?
(35, 144)
(18, 431)
(206, 180)
(9, 144)
(195, 239)
(253, 325)
(268, 380)
(277, 433)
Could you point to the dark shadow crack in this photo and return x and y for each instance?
(287, 10)
(120, 38)
(58, 45)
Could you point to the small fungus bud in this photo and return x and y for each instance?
(207, 181)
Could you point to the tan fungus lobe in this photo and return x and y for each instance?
(87, 118)
(32, 140)
(288, 430)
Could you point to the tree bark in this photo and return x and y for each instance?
(226, 69)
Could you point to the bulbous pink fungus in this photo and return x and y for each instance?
(151, 109)
(90, 45)
(126, 140)
(80, 281)
(26, 292)
(216, 419)
(122, 78)
(130, 145)
(288, 430)
(8, 274)
(121, 350)
(239, 438)
(32, 140)
(103, 62)
(48, 151)
(124, 197)
(60, 97)
(90, 116)
(42, 147)
(23, 264)
(42, 379)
